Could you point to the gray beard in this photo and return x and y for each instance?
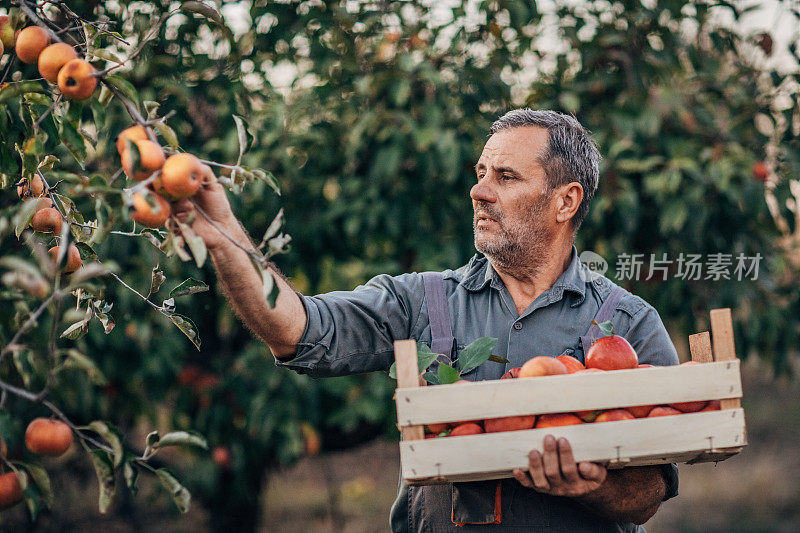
(521, 249)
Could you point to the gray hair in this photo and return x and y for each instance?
(571, 155)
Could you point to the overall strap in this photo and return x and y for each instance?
(438, 314)
(606, 312)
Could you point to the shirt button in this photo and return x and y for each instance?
(517, 325)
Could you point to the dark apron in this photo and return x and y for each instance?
(497, 504)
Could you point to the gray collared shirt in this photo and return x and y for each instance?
(349, 332)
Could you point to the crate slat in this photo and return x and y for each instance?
(405, 353)
(568, 393)
(724, 347)
(705, 436)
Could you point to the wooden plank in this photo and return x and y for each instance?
(724, 347)
(405, 355)
(700, 347)
(654, 440)
(567, 393)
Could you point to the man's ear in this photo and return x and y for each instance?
(568, 200)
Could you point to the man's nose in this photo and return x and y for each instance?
(482, 192)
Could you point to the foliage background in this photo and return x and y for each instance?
(371, 115)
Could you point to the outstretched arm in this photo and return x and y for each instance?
(280, 327)
(625, 495)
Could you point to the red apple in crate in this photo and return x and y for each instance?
(614, 415)
(512, 374)
(438, 428)
(640, 411)
(509, 423)
(542, 365)
(588, 416)
(689, 407)
(663, 410)
(611, 353)
(468, 428)
(587, 371)
(552, 420)
(645, 365)
(713, 405)
(572, 364)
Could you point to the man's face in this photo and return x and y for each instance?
(512, 220)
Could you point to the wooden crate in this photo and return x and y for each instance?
(690, 437)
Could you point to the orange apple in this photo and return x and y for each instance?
(614, 415)
(468, 428)
(663, 410)
(542, 365)
(557, 419)
(572, 364)
(509, 423)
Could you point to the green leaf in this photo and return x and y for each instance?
(181, 438)
(168, 134)
(432, 378)
(271, 290)
(76, 359)
(189, 286)
(23, 362)
(42, 482)
(477, 353)
(607, 328)
(179, 494)
(131, 475)
(195, 243)
(425, 358)
(73, 141)
(76, 330)
(188, 328)
(447, 374)
(105, 478)
(125, 87)
(111, 437)
(22, 218)
(157, 277)
(241, 131)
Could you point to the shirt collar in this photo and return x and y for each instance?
(479, 274)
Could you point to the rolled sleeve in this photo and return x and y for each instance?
(352, 332)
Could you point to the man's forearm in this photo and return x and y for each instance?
(280, 327)
(627, 495)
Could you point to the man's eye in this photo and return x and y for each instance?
(508, 176)
(480, 176)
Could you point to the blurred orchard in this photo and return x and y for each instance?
(353, 127)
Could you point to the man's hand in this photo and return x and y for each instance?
(212, 200)
(555, 471)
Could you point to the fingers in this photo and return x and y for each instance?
(552, 469)
(569, 470)
(592, 472)
(523, 478)
(537, 472)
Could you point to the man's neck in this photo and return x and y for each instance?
(526, 286)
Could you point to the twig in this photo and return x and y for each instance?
(49, 110)
(252, 253)
(23, 5)
(140, 295)
(28, 324)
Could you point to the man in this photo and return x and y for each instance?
(535, 179)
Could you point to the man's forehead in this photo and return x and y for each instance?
(520, 145)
